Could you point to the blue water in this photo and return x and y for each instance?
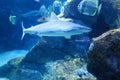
(30, 13)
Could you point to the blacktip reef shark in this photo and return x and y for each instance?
(56, 27)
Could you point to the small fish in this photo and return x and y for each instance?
(30, 14)
(12, 19)
(55, 27)
(43, 12)
(89, 7)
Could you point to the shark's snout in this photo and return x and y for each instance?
(86, 29)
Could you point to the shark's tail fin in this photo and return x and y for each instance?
(23, 29)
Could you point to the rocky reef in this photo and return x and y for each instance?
(104, 56)
(55, 48)
(57, 70)
(52, 58)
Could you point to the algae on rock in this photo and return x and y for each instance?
(104, 58)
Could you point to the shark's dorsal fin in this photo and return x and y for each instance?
(53, 17)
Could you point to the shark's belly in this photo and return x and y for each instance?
(60, 34)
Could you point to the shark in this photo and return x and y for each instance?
(55, 27)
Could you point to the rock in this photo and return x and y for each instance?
(53, 58)
(52, 49)
(109, 7)
(57, 70)
(13, 72)
(94, 22)
(64, 70)
(25, 74)
(106, 19)
(74, 13)
(99, 27)
(9, 67)
(104, 56)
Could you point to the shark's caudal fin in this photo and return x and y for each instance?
(23, 29)
(53, 17)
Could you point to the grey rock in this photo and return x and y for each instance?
(104, 56)
(50, 49)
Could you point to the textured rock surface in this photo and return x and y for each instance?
(68, 13)
(52, 58)
(107, 11)
(25, 74)
(110, 12)
(9, 67)
(13, 72)
(104, 58)
(108, 17)
(52, 49)
(57, 70)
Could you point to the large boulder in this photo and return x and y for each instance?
(54, 48)
(74, 13)
(109, 7)
(104, 56)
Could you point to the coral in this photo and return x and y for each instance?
(57, 70)
(63, 70)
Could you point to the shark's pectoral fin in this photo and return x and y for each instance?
(67, 36)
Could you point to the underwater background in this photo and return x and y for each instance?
(93, 53)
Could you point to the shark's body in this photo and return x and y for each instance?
(55, 27)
